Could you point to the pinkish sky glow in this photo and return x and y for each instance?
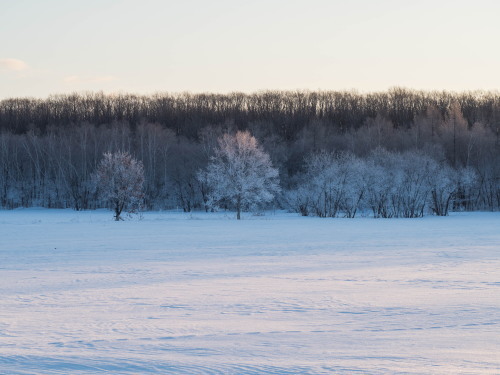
(57, 46)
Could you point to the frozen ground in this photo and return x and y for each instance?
(200, 294)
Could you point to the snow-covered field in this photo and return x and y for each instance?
(202, 293)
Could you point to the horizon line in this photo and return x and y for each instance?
(253, 92)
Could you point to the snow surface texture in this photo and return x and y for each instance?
(199, 294)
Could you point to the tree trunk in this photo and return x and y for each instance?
(118, 210)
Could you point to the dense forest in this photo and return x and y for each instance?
(396, 153)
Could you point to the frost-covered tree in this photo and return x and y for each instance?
(443, 181)
(356, 172)
(119, 180)
(331, 184)
(240, 174)
(381, 179)
(402, 186)
(413, 192)
(467, 189)
(299, 199)
(322, 184)
(327, 181)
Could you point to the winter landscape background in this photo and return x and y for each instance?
(403, 280)
(397, 153)
(197, 293)
(249, 187)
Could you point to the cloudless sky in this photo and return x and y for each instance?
(146, 46)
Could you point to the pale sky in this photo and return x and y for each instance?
(146, 46)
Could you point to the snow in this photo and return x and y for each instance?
(277, 294)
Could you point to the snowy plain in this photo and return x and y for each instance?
(199, 293)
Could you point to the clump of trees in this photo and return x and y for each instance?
(399, 153)
(387, 184)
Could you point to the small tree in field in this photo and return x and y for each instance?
(240, 174)
(119, 179)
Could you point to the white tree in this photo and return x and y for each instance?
(119, 179)
(414, 190)
(443, 180)
(240, 174)
(356, 172)
(332, 183)
(467, 188)
(324, 182)
(398, 183)
(379, 185)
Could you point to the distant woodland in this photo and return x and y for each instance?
(390, 150)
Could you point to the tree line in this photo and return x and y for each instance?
(287, 112)
(49, 148)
